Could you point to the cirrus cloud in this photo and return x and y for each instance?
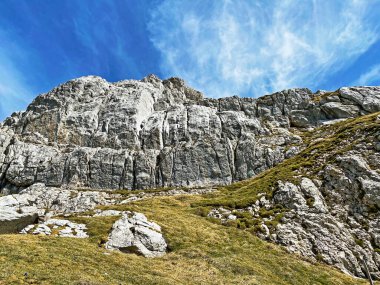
(251, 48)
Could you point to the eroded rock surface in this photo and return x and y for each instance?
(133, 233)
(12, 221)
(152, 133)
(55, 201)
(62, 228)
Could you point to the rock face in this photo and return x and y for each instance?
(133, 233)
(152, 133)
(12, 221)
(89, 133)
(341, 224)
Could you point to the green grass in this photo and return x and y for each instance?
(325, 95)
(97, 227)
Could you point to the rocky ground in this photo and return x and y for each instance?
(327, 207)
(33, 211)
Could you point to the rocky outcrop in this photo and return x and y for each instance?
(133, 233)
(152, 133)
(45, 202)
(92, 134)
(341, 223)
(57, 227)
(334, 218)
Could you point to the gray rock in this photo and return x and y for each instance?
(107, 213)
(133, 233)
(70, 229)
(39, 198)
(334, 219)
(290, 196)
(41, 229)
(368, 98)
(342, 225)
(151, 133)
(338, 110)
(13, 221)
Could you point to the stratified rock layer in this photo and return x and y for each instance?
(151, 133)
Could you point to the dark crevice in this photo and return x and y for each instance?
(134, 172)
(122, 177)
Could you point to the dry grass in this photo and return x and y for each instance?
(201, 252)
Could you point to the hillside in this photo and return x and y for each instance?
(283, 189)
(202, 252)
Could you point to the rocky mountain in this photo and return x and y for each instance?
(151, 133)
(294, 168)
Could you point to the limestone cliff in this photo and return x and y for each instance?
(151, 133)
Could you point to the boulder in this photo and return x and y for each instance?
(337, 110)
(133, 233)
(13, 221)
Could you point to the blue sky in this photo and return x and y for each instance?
(221, 47)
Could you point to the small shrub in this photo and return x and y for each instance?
(319, 257)
(310, 202)
(372, 209)
(264, 213)
(257, 229)
(241, 225)
(271, 224)
(245, 223)
(214, 220)
(232, 223)
(202, 211)
(359, 242)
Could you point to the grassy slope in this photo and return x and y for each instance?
(202, 252)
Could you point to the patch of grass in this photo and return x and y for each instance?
(310, 202)
(257, 229)
(359, 242)
(203, 211)
(325, 95)
(273, 223)
(319, 257)
(98, 228)
(322, 146)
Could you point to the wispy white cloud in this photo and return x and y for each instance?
(371, 77)
(15, 93)
(252, 48)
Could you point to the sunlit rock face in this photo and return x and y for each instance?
(151, 133)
